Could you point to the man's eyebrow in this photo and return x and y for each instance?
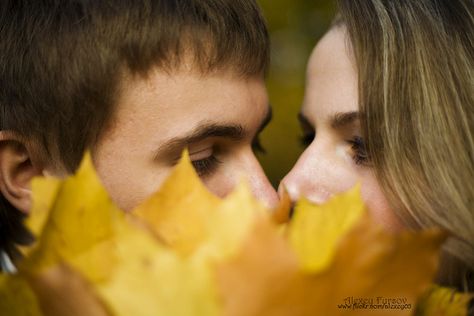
(206, 130)
(342, 119)
(200, 133)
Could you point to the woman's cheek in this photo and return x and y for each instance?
(378, 205)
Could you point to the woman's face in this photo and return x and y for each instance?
(335, 159)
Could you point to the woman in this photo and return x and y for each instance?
(390, 104)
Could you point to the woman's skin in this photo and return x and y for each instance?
(334, 160)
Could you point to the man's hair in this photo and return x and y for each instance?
(61, 61)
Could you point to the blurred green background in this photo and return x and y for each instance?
(295, 27)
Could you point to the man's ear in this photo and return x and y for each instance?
(18, 165)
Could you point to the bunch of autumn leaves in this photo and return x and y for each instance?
(186, 252)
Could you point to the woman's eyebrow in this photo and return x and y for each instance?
(342, 119)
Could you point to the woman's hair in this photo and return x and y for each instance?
(415, 62)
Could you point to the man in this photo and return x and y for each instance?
(136, 82)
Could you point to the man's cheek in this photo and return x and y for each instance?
(221, 183)
(137, 186)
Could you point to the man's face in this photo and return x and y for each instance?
(216, 116)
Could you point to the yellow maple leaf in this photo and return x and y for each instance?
(270, 276)
(186, 252)
(175, 213)
(282, 213)
(62, 291)
(44, 193)
(152, 280)
(17, 298)
(439, 301)
(315, 229)
(78, 225)
(75, 222)
(188, 217)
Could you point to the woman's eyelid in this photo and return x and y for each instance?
(359, 154)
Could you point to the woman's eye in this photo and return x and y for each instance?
(359, 149)
(205, 167)
(307, 139)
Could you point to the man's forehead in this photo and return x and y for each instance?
(169, 109)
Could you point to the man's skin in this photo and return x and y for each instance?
(216, 116)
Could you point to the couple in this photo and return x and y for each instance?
(389, 103)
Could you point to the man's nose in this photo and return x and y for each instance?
(259, 183)
(263, 189)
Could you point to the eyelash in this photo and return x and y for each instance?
(360, 156)
(206, 166)
(357, 143)
(307, 139)
(257, 146)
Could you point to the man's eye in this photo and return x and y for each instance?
(360, 155)
(307, 139)
(206, 166)
(257, 146)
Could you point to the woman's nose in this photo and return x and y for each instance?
(309, 178)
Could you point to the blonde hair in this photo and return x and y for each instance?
(415, 62)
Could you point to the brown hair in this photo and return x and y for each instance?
(61, 61)
(415, 62)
